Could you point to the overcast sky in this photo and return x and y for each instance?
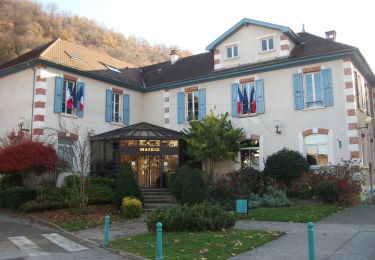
(194, 24)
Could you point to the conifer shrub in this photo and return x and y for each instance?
(182, 174)
(126, 185)
(131, 207)
(200, 217)
(327, 191)
(286, 165)
(194, 189)
(100, 194)
(35, 206)
(14, 197)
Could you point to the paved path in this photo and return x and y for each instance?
(116, 230)
(23, 240)
(348, 235)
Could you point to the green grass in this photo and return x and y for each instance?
(300, 214)
(196, 245)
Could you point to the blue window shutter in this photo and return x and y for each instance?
(126, 106)
(202, 103)
(327, 87)
(318, 88)
(259, 95)
(298, 91)
(234, 99)
(59, 84)
(80, 85)
(108, 105)
(180, 107)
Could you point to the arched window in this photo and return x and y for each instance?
(316, 147)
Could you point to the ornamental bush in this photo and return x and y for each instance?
(195, 189)
(286, 165)
(327, 191)
(35, 206)
(14, 197)
(131, 207)
(182, 174)
(126, 185)
(100, 194)
(200, 217)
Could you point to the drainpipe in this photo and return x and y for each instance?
(32, 102)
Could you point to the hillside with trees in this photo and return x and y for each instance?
(26, 24)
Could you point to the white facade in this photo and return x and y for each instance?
(340, 122)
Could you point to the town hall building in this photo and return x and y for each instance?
(285, 89)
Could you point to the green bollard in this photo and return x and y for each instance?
(106, 230)
(310, 238)
(159, 241)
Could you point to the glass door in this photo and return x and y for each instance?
(149, 169)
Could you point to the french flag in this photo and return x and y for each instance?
(253, 102)
(80, 99)
(69, 97)
(239, 100)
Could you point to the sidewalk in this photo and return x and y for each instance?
(348, 235)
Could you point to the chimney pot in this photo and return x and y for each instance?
(174, 56)
(331, 35)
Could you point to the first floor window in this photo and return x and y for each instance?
(313, 89)
(267, 44)
(192, 110)
(232, 51)
(65, 150)
(69, 93)
(116, 107)
(250, 154)
(248, 102)
(316, 147)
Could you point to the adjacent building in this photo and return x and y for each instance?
(285, 89)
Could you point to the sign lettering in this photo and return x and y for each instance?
(149, 149)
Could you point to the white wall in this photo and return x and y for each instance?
(16, 92)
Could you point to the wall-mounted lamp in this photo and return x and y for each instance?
(364, 120)
(277, 124)
(21, 123)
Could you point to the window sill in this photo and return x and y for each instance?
(312, 108)
(116, 123)
(248, 115)
(268, 51)
(232, 58)
(68, 115)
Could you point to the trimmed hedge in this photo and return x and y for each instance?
(200, 217)
(34, 206)
(100, 194)
(14, 197)
(182, 174)
(131, 207)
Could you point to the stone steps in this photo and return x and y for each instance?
(156, 198)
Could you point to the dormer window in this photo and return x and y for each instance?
(267, 44)
(112, 68)
(232, 51)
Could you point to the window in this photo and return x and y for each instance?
(75, 57)
(313, 90)
(232, 51)
(248, 103)
(267, 44)
(250, 154)
(316, 147)
(65, 150)
(116, 107)
(248, 98)
(69, 94)
(192, 110)
(361, 92)
(112, 68)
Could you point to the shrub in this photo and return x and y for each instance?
(71, 181)
(327, 191)
(35, 206)
(195, 189)
(11, 180)
(131, 207)
(101, 181)
(182, 175)
(126, 185)
(100, 194)
(169, 179)
(275, 198)
(286, 165)
(14, 197)
(54, 194)
(200, 217)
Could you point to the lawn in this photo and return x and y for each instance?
(300, 214)
(71, 219)
(196, 245)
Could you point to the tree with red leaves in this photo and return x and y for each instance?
(28, 157)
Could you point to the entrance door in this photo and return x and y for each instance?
(149, 171)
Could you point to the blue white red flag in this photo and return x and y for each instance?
(239, 100)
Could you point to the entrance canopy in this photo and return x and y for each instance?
(139, 131)
(151, 151)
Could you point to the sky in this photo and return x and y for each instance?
(194, 24)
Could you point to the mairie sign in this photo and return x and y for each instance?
(149, 149)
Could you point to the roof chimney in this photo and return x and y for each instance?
(331, 35)
(174, 56)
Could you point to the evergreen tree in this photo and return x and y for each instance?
(195, 189)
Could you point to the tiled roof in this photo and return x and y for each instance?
(155, 76)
